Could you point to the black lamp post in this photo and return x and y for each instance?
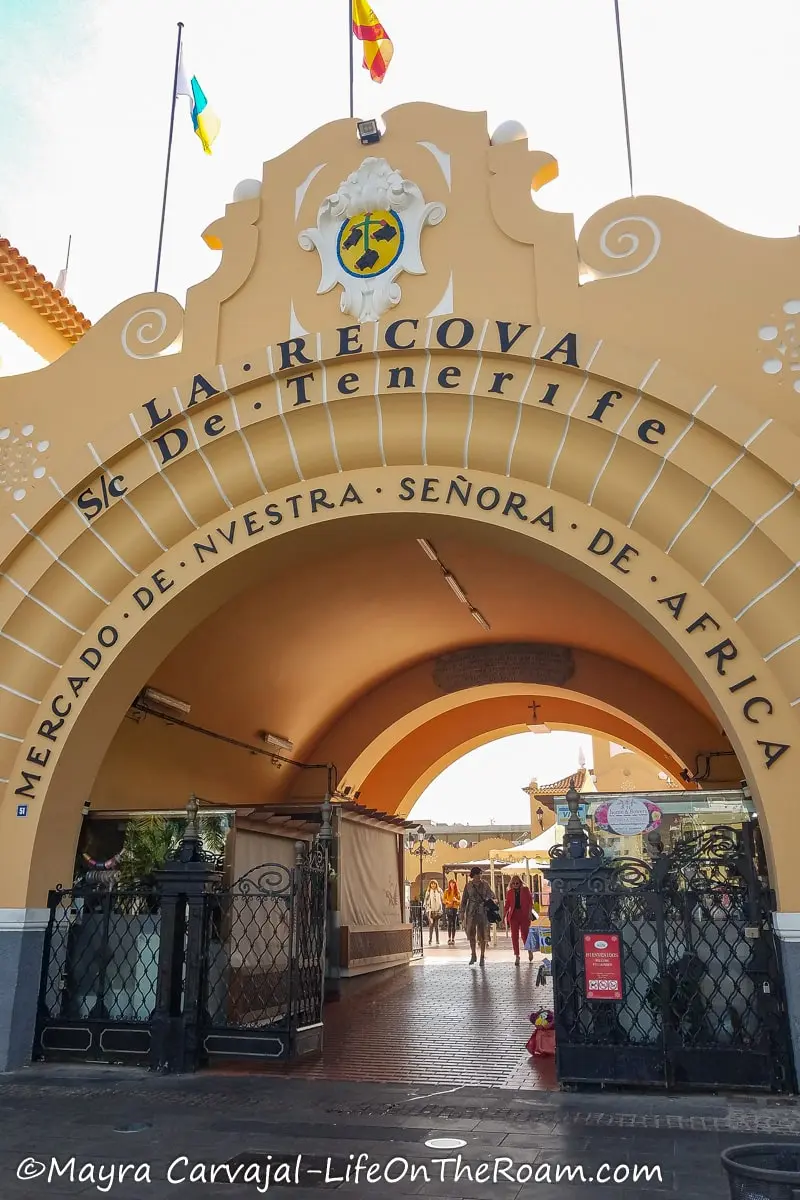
(415, 844)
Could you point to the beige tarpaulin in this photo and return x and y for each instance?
(370, 884)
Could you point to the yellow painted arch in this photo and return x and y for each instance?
(588, 714)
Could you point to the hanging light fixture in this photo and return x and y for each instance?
(451, 581)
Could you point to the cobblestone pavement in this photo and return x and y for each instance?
(92, 1120)
(439, 1021)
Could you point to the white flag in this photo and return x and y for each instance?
(182, 85)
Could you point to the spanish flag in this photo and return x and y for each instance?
(206, 122)
(378, 49)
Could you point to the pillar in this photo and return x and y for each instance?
(787, 928)
(22, 934)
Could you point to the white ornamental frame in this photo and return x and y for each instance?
(374, 187)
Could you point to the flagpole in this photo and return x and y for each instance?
(61, 281)
(169, 153)
(350, 47)
(624, 94)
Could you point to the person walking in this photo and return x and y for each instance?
(518, 912)
(452, 900)
(434, 908)
(477, 894)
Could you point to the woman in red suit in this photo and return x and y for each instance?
(518, 912)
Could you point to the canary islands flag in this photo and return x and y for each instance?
(378, 49)
(205, 121)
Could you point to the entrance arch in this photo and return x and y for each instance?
(627, 418)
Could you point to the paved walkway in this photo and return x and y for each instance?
(438, 1021)
(78, 1127)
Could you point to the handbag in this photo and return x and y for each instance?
(542, 1043)
(492, 912)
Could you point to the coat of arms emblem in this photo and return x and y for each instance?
(367, 233)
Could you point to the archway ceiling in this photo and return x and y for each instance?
(296, 650)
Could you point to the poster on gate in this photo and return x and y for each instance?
(602, 966)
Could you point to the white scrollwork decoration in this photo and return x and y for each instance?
(633, 241)
(144, 329)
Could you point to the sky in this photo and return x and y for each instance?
(86, 89)
(86, 97)
(486, 784)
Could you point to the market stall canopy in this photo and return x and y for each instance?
(538, 847)
(485, 864)
(535, 867)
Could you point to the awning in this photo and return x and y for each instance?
(536, 865)
(484, 864)
(538, 847)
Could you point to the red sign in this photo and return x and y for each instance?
(602, 964)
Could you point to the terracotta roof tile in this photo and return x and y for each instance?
(561, 786)
(42, 296)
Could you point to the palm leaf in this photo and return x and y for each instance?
(150, 839)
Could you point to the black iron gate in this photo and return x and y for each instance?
(97, 992)
(171, 974)
(668, 972)
(263, 969)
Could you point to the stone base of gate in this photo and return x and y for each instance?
(787, 927)
(21, 946)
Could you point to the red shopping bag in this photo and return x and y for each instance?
(542, 1043)
(546, 1042)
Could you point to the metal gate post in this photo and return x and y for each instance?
(331, 833)
(571, 865)
(44, 980)
(298, 885)
(194, 981)
(166, 1018)
(183, 884)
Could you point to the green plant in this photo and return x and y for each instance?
(150, 839)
